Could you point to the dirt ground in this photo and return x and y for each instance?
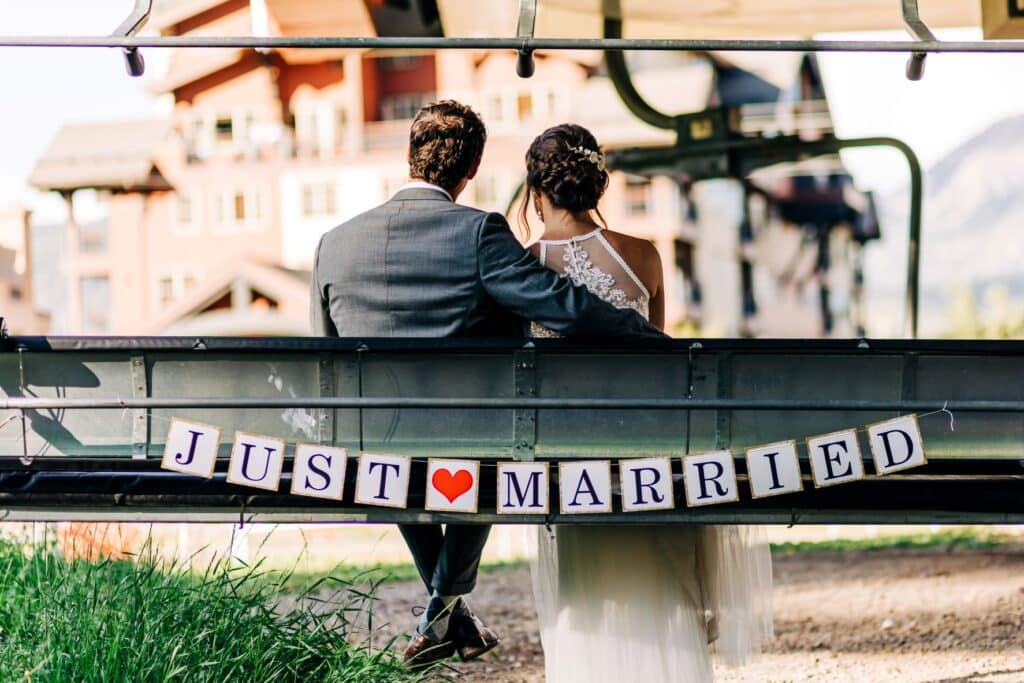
(920, 616)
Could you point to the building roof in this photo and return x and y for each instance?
(252, 299)
(187, 65)
(167, 13)
(706, 19)
(115, 155)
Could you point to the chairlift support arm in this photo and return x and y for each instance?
(132, 24)
(527, 24)
(920, 31)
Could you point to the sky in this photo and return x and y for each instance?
(959, 97)
(48, 87)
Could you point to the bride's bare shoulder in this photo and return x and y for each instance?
(633, 249)
(641, 256)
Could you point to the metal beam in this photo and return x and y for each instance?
(378, 43)
(475, 399)
(141, 496)
(485, 403)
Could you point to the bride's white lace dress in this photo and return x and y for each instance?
(641, 603)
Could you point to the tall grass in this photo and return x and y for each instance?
(151, 620)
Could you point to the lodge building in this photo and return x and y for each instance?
(205, 220)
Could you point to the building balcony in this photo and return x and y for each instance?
(386, 135)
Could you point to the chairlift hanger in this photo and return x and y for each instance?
(132, 24)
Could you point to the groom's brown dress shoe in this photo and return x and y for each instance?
(423, 651)
(470, 636)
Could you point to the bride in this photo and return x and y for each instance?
(630, 603)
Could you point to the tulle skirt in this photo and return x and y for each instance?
(641, 603)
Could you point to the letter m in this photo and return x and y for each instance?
(521, 493)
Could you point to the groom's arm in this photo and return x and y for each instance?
(516, 280)
(320, 322)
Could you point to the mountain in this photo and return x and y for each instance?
(972, 231)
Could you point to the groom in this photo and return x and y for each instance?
(421, 265)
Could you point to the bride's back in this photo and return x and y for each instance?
(611, 265)
(565, 179)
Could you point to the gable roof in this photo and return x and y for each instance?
(114, 155)
(229, 304)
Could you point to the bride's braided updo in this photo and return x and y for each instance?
(566, 164)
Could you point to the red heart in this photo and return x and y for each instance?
(452, 486)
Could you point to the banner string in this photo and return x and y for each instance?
(126, 413)
(943, 409)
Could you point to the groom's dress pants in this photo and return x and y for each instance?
(447, 559)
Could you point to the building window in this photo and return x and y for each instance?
(238, 213)
(307, 130)
(165, 289)
(224, 128)
(91, 212)
(638, 196)
(197, 131)
(92, 237)
(239, 208)
(318, 200)
(185, 210)
(340, 126)
(197, 140)
(524, 106)
(403, 107)
(95, 304)
(496, 108)
(174, 286)
(552, 100)
(243, 126)
(186, 214)
(486, 191)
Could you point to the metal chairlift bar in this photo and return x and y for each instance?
(986, 406)
(405, 43)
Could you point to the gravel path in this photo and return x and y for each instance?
(923, 616)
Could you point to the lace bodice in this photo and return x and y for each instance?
(591, 261)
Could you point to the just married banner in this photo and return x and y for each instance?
(585, 486)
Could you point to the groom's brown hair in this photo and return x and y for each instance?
(446, 140)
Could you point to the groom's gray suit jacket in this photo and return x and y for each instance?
(421, 265)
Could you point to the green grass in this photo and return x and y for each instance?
(947, 540)
(150, 621)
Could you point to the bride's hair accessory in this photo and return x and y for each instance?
(591, 155)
